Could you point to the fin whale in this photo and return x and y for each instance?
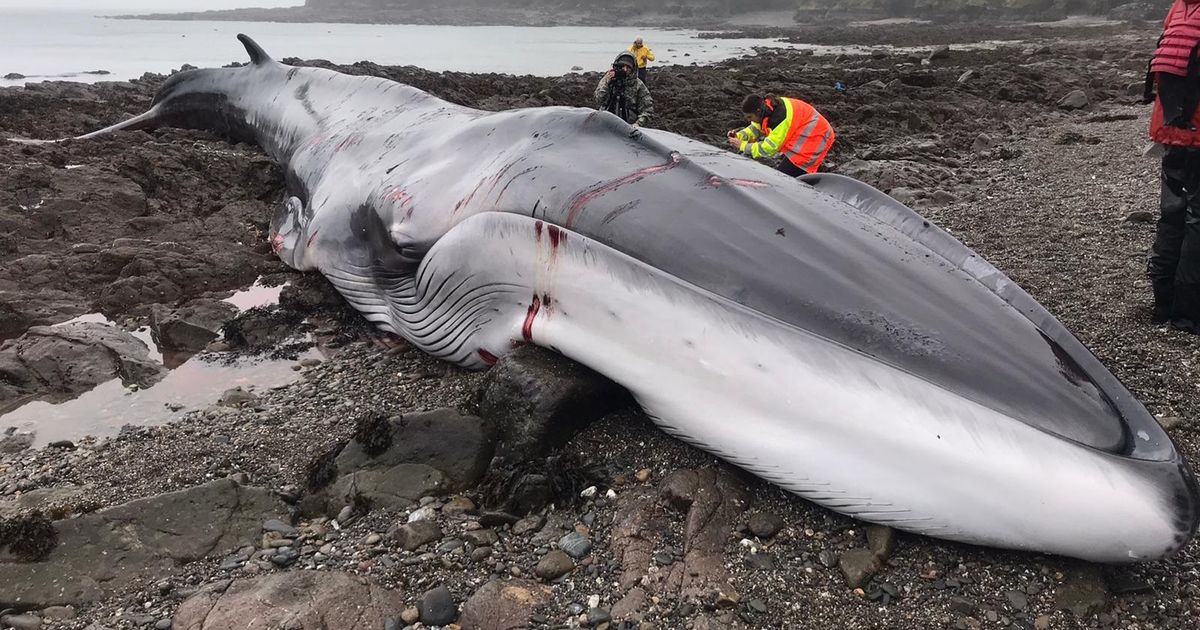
(815, 331)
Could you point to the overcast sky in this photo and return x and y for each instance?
(157, 6)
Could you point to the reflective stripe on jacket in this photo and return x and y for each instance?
(804, 137)
(643, 55)
(1181, 33)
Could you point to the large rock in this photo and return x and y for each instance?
(297, 600)
(190, 327)
(109, 551)
(713, 499)
(539, 399)
(73, 358)
(500, 605)
(393, 462)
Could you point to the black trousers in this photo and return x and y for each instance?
(1174, 265)
(642, 75)
(791, 170)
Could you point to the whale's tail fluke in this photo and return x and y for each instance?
(258, 56)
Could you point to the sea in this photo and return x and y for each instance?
(81, 46)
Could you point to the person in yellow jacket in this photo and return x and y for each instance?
(784, 126)
(643, 54)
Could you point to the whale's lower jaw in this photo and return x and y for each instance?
(819, 419)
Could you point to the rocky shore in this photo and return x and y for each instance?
(382, 489)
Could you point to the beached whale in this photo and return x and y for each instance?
(816, 332)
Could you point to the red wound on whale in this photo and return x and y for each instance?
(276, 243)
(487, 357)
(556, 235)
(527, 327)
(537, 228)
(313, 237)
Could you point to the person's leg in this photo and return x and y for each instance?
(791, 170)
(1164, 256)
(642, 75)
(1185, 305)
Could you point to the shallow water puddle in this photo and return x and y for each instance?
(255, 295)
(193, 383)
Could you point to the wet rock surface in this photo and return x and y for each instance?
(104, 553)
(63, 360)
(311, 600)
(186, 217)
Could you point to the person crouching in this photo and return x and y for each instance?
(784, 126)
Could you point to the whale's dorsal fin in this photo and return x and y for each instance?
(258, 56)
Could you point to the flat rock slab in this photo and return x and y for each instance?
(297, 600)
(105, 553)
(412, 456)
(503, 605)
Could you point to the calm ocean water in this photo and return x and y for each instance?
(62, 45)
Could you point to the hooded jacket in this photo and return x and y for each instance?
(626, 97)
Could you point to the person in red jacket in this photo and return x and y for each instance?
(1174, 266)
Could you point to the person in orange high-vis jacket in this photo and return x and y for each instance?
(784, 126)
(1174, 265)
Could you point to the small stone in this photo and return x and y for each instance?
(346, 515)
(881, 541)
(765, 524)
(553, 565)
(236, 397)
(437, 607)
(1083, 592)
(589, 492)
(529, 524)
(163, 624)
(310, 362)
(285, 557)
(481, 537)
(1142, 216)
(757, 605)
(21, 622)
(859, 566)
(597, 616)
(642, 475)
(410, 536)
(983, 142)
(59, 612)
(1018, 600)
(281, 528)
(939, 52)
(1042, 622)
(480, 554)
(426, 513)
(828, 558)
(410, 615)
(458, 506)
(761, 561)
(678, 487)
(575, 545)
(962, 606)
(966, 76)
(372, 539)
(1075, 99)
